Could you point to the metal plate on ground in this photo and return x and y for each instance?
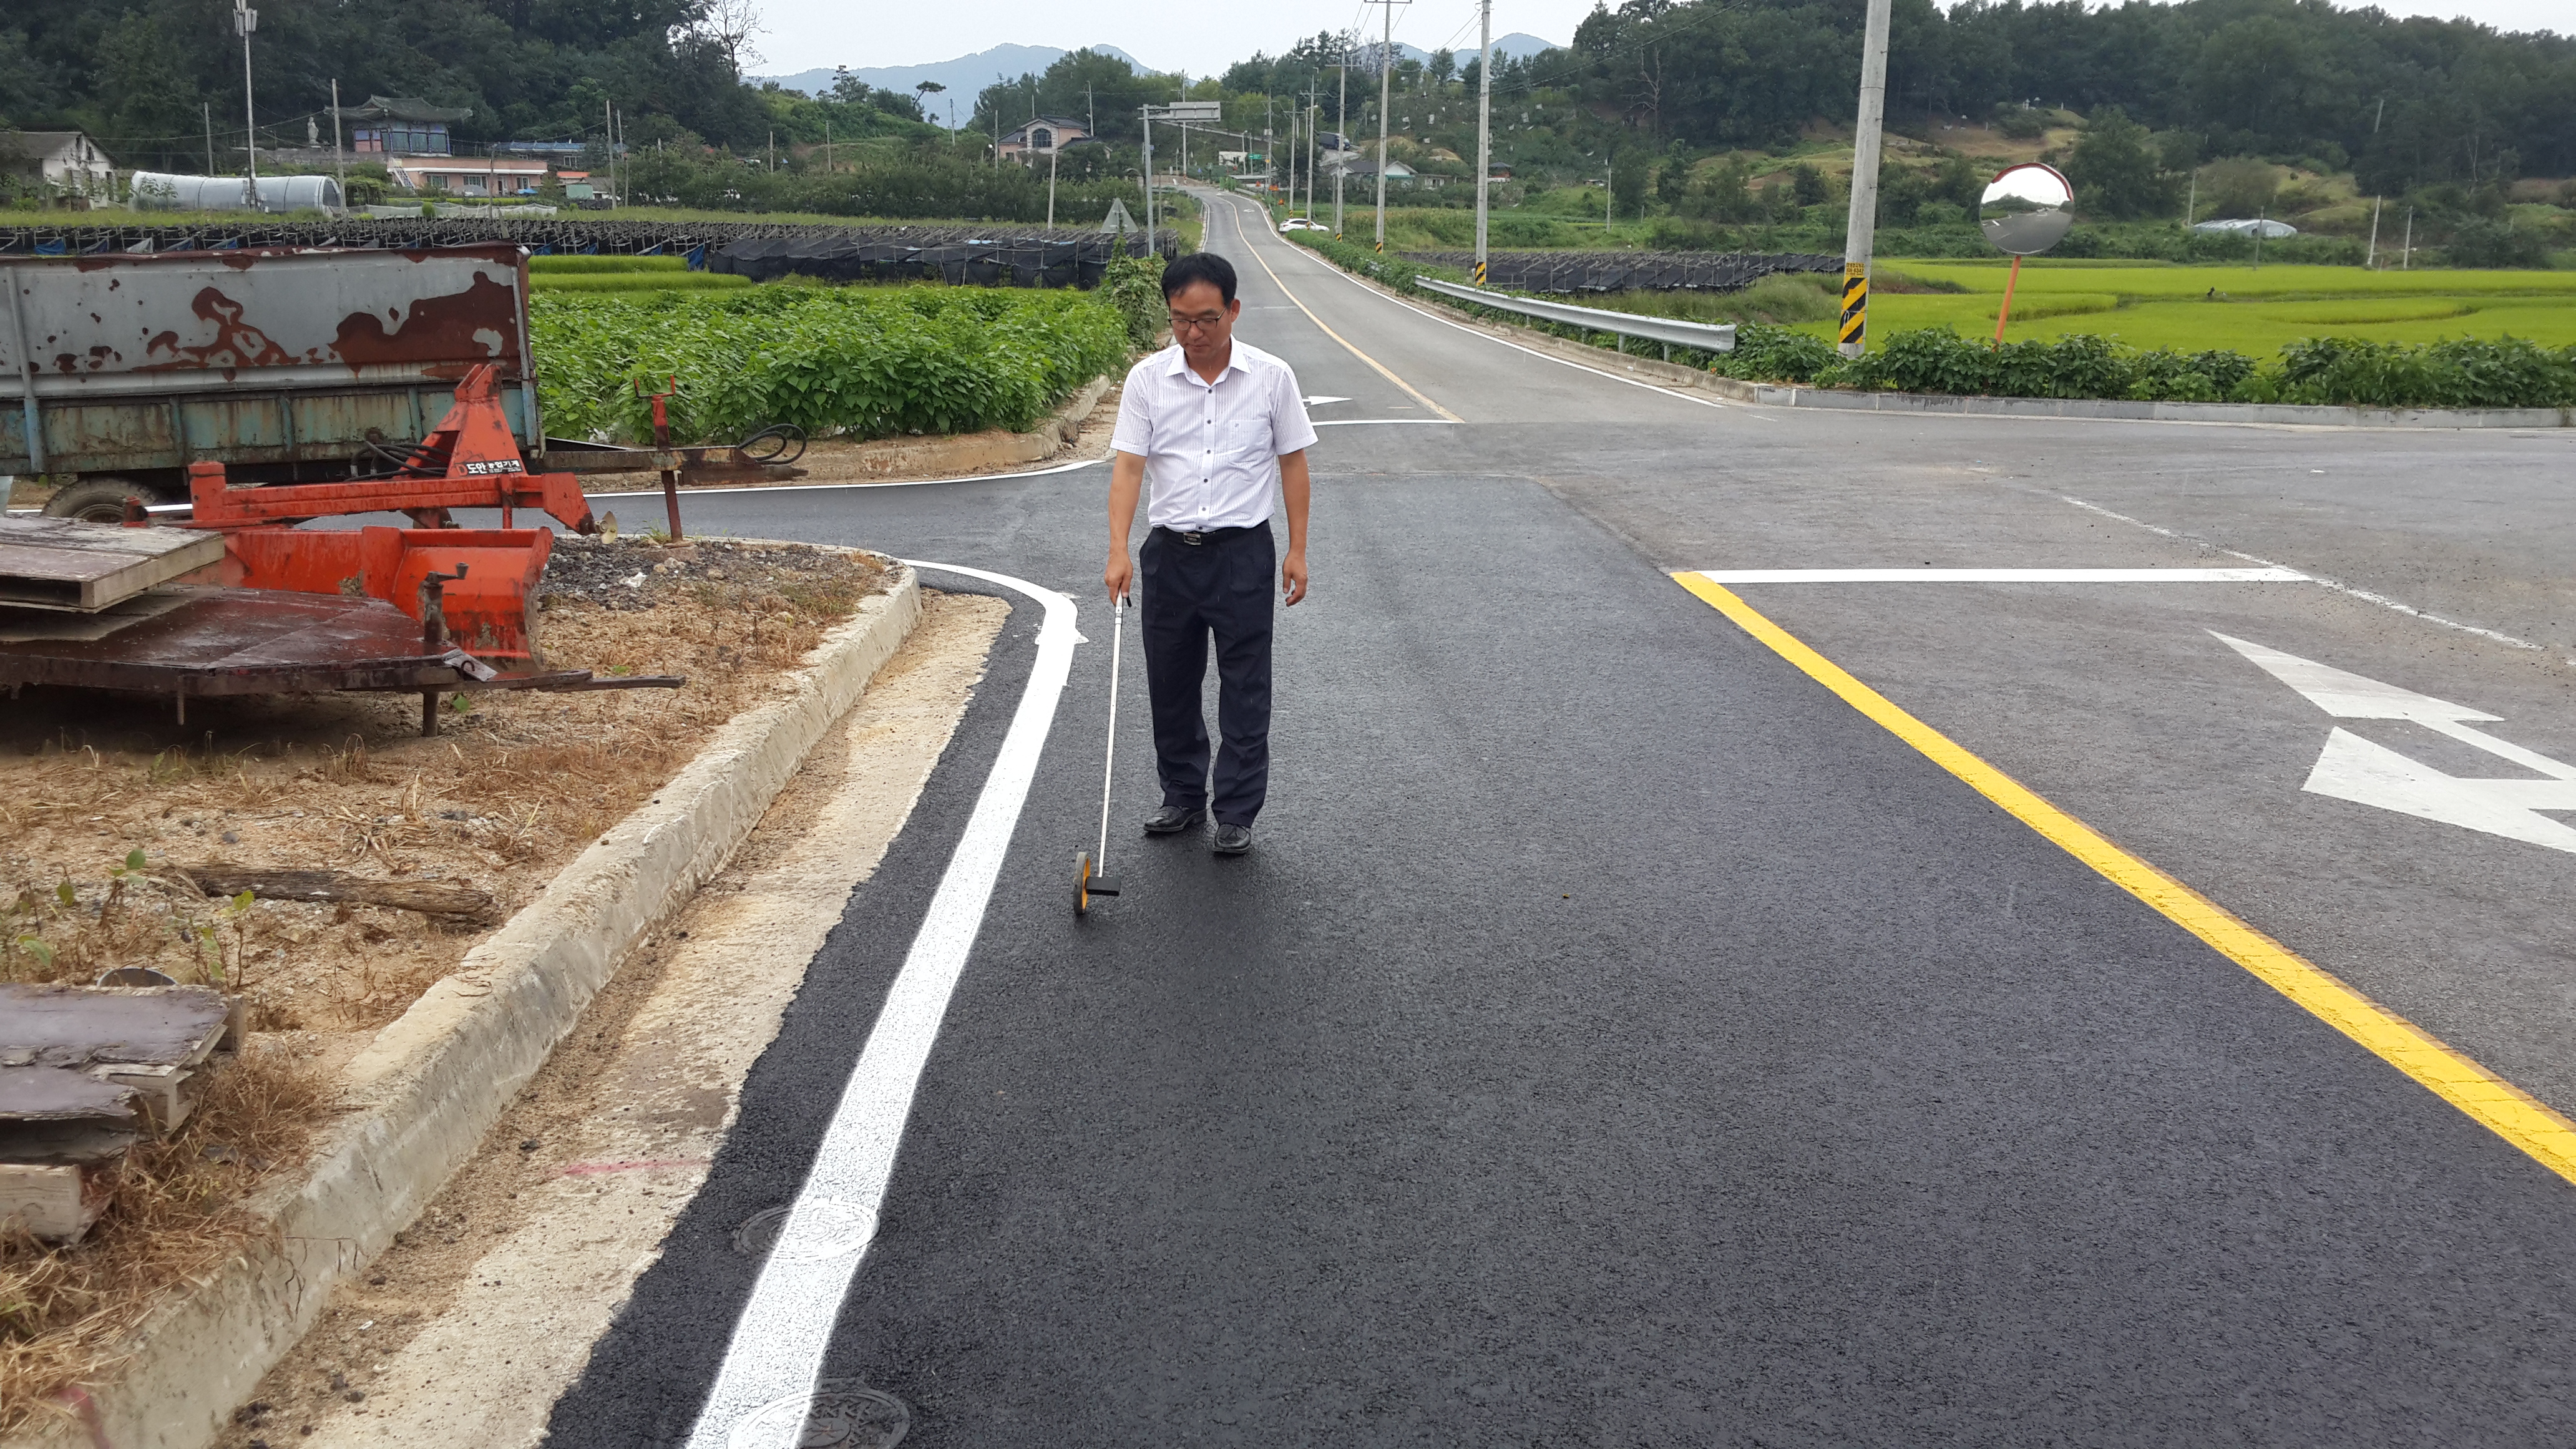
(833, 1228)
(839, 1414)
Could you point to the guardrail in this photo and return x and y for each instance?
(1671, 331)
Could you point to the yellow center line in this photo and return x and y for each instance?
(2498, 1105)
(1383, 371)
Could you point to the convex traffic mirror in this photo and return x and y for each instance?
(2027, 209)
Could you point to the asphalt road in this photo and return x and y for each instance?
(1615, 1038)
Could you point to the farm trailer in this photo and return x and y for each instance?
(286, 365)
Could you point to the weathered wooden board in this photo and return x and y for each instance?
(431, 897)
(90, 1026)
(48, 1202)
(63, 563)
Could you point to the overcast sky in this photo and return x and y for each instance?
(1202, 37)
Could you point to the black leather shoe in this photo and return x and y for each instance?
(1172, 820)
(1232, 839)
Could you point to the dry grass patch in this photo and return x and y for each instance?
(106, 801)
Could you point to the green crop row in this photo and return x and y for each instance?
(2460, 373)
(856, 362)
(607, 264)
(636, 282)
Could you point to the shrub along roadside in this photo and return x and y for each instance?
(2463, 373)
(2508, 372)
(858, 362)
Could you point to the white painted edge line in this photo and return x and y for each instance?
(1356, 422)
(1500, 341)
(2272, 575)
(777, 1347)
(689, 493)
(2365, 595)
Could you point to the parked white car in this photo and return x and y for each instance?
(1299, 223)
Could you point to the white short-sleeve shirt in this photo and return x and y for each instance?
(1211, 450)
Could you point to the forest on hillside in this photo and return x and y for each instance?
(1687, 108)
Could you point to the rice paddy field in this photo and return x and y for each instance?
(2251, 310)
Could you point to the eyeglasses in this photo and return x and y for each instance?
(1211, 320)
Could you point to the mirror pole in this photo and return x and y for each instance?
(1858, 232)
(2003, 314)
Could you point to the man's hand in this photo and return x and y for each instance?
(1126, 483)
(1292, 576)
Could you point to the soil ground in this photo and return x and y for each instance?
(101, 796)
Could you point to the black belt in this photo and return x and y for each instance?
(1212, 535)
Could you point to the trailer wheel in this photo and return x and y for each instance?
(99, 500)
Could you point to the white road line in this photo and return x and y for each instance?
(2268, 575)
(778, 1343)
(1355, 422)
(1501, 341)
(2365, 595)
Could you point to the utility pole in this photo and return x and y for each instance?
(1385, 98)
(2191, 203)
(1149, 180)
(2406, 257)
(339, 163)
(1341, 133)
(1484, 126)
(207, 108)
(246, 20)
(1314, 119)
(608, 128)
(1862, 226)
(2370, 260)
(827, 146)
(1053, 152)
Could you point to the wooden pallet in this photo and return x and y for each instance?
(63, 563)
(85, 1073)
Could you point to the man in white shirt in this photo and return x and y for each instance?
(1221, 429)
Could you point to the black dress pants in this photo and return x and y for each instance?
(1218, 588)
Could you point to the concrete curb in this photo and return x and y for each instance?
(1941, 404)
(429, 1087)
(972, 452)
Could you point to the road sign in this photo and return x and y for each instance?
(1193, 112)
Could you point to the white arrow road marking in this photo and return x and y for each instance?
(2368, 773)
(1316, 402)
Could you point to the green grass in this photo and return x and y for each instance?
(2251, 311)
(635, 281)
(570, 264)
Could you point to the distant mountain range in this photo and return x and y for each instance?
(1513, 46)
(969, 74)
(964, 77)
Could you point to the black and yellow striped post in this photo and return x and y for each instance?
(1854, 335)
(1480, 271)
(1381, 246)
